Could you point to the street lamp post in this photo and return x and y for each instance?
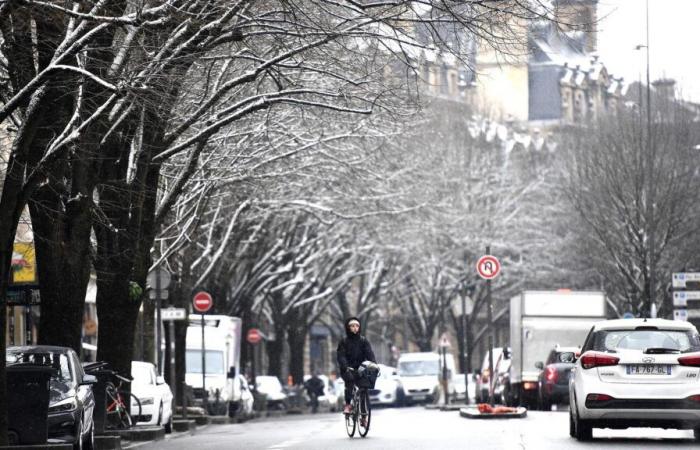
(650, 178)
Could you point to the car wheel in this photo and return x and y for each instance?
(169, 425)
(78, 444)
(583, 431)
(160, 415)
(90, 439)
(572, 425)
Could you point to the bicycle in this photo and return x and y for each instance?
(117, 410)
(361, 415)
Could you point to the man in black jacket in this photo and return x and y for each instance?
(353, 350)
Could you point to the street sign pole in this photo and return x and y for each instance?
(489, 311)
(159, 318)
(171, 329)
(205, 396)
(170, 315)
(202, 303)
(465, 341)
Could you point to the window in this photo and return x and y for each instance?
(419, 368)
(615, 340)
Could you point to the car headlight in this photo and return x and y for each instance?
(146, 401)
(65, 405)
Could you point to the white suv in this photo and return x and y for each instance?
(636, 373)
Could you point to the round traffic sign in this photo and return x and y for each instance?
(488, 267)
(254, 336)
(202, 302)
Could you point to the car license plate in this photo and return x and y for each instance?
(648, 369)
(419, 397)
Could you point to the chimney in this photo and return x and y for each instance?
(579, 15)
(665, 87)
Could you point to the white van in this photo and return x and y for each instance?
(222, 338)
(420, 374)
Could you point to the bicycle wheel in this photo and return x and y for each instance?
(129, 419)
(365, 413)
(351, 420)
(113, 409)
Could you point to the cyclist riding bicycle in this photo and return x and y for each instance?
(353, 350)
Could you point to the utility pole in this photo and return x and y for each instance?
(651, 198)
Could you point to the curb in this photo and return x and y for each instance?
(184, 426)
(473, 413)
(139, 434)
(105, 442)
(452, 407)
(36, 446)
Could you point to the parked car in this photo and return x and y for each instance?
(553, 381)
(339, 389)
(387, 389)
(636, 373)
(154, 394)
(71, 402)
(501, 388)
(272, 388)
(459, 387)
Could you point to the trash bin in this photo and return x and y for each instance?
(99, 391)
(28, 403)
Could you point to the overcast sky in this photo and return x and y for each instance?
(673, 25)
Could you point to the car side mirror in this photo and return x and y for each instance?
(506, 353)
(89, 380)
(539, 365)
(160, 380)
(231, 372)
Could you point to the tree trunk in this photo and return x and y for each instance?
(296, 338)
(275, 351)
(117, 313)
(63, 264)
(180, 359)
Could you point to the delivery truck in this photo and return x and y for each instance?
(540, 321)
(222, 339)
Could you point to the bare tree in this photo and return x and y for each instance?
(625, 193)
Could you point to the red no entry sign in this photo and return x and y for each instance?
(488, 267)
(254, 336)
(202, 302)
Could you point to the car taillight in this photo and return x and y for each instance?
(590, 360)
(529, 386)
(598, 398)
(551, 374)
(690, 360)
(694, 398)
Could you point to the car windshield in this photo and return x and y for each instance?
(419, 368)
(214, 362)
(143, 375)
(614, 340)
(268, 384)
(58, 361)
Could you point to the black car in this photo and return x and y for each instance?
(553, 382)
(71, 402)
